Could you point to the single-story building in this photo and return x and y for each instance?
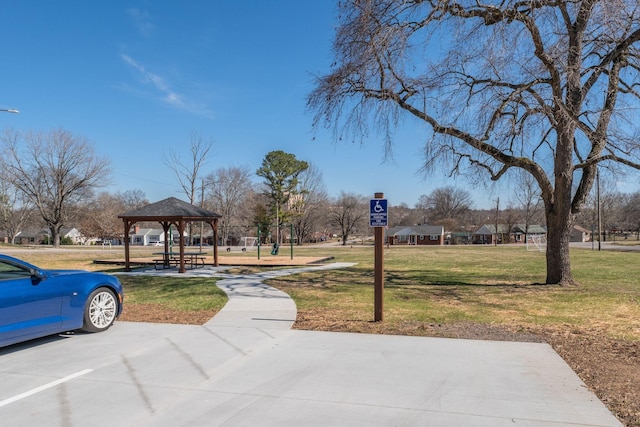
(151, 236)
(415, 235)
(459, 238)
(579, 234)
(488, 234)
(35, 236)
(32, 236)
(73, 234)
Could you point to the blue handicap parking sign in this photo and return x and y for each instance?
(378, 212)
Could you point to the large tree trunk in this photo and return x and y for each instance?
(558, 208)
(55, 235)
(559, 226)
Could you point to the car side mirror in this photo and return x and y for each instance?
(37, 274)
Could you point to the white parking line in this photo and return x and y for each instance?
(43, 387)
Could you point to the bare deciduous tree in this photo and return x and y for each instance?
(309, 205)
(544, 86)
(188, 172)
(402, 214)
(132, 199)
(612, 211)
(15, 210)
(228, 191)
(99, 215)
(527, 196)
(447, 203)
(632, 213)
(55, 171)
(348, 213)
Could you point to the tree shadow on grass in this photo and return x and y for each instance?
(416, 278)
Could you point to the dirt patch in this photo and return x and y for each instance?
(609, 367)
(155, 313)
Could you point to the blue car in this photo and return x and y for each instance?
(36, 302)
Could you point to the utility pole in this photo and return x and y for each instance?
(495, 243)
(599, 208)
(202, 206)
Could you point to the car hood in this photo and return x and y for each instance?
(95, 277)
(57, 273)
(65, 272)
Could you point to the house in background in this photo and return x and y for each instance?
(206, 237)
(488, 234)
(579, 234)
(152, 236)
(415, 235)
(32, 236)
(72, 234)
(519, 232)
(146, 236)
(459, 238)
(41, 236)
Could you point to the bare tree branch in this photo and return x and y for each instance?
(54, 171)
(545, 86)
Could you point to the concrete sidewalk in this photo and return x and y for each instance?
(319, 378)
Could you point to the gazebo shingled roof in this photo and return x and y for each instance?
(167, 212)
(170, 208)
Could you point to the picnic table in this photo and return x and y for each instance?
(170, 259)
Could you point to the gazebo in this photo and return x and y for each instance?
(170, 212)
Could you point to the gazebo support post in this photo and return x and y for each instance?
(214, 227)
(127, 228)
(165, 229)
(180, 226)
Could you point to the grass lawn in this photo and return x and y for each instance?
(483, 284)
(170, 299)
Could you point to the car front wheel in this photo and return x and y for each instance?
(100, 311)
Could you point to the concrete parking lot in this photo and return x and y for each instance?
(247, 367)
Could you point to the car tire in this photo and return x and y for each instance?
(100, 310)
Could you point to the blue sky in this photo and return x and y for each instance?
(137, 78)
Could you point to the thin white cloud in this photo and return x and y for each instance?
(142, 20)
(158, 82)
(167, 95)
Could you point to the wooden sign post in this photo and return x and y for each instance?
(378, 219)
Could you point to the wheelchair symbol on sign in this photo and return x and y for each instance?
(377, 208)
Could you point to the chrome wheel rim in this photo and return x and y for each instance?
(102, 310)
